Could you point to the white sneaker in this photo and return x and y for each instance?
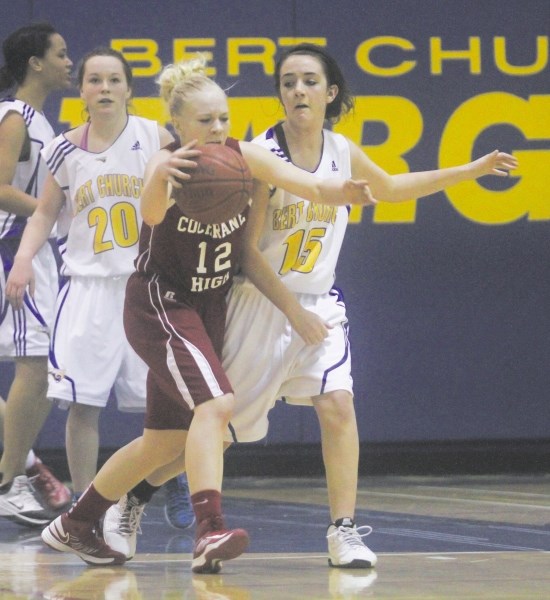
(122, 524)
(21, 503)
(346, 548)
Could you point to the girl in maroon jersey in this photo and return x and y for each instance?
(178, 330)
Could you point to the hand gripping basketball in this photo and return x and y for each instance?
(219, 188)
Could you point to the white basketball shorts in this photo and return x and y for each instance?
(90, 355)
(26, 332)
(266, 360)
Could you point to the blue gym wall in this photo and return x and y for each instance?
(448, 297)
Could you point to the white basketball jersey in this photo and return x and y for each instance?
(29, 174)
(302, 240)
(98, 227)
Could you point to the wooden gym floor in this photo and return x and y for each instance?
(437, 538)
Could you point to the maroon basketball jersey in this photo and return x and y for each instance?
(192, 258)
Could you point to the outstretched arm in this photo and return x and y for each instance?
(268, 168)
(406, 186)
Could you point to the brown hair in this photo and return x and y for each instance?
(343, 102)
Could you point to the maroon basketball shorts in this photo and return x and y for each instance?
(181, 344)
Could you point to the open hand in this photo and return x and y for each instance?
(494, 163)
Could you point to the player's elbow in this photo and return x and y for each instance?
(152, 218)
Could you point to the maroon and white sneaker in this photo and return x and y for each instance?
(80, 538)
(216, 545)
(52, 492)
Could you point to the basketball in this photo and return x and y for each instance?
(220, 186)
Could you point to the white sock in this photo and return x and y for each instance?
(31, 459)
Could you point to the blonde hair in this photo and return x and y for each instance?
(178, 81)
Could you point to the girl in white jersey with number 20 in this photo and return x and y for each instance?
(292, 251)
(93, 191)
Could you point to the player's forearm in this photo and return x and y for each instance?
(17, 202)
(35, 235)
(154, 200)
(260, 273)
(407, 186)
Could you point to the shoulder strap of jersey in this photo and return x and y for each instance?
(281, 139)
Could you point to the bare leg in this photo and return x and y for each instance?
(204, 448)
(340, 444)
(169, 471)
(25, 412)
(138, 460)
(157, 455)
(173, 469)
(82, 439)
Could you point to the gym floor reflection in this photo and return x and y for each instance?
(436, 538)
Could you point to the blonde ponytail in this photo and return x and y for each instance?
(178, 80)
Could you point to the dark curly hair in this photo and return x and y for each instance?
(19, 47)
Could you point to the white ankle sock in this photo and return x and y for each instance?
(31, 459)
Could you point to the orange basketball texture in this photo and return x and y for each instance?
(220, 186)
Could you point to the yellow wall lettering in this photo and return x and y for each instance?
(403, 119)
(251, 116)
(140, 51)
(258, 50)
(363, 56)
(151, 108)
(187, 48)
(394, 111)
(529, 196)
(143, 54)
(472, 55)
(72, 111)
(537, 66)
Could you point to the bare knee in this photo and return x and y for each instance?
(335, 409)
(218, 410)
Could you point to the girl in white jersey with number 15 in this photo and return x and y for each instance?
(292, 252)
(93, 191)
